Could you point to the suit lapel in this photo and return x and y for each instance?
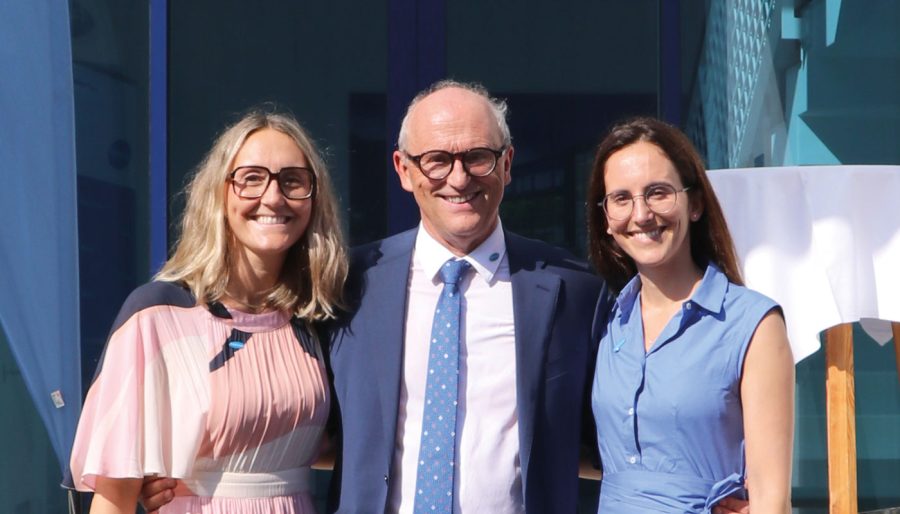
(535, 294)
(390, 278)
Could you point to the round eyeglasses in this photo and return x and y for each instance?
(659, 198)
(437, 164)
(295, 183)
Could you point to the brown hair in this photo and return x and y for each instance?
(709, 236)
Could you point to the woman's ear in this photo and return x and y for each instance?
(696, 208)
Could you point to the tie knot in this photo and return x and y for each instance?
(453, 270)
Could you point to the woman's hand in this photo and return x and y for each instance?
(732, 505)
(156, 492)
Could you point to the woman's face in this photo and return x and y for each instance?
(265, 228)
(652, 239)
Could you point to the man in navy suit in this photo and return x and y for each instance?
(526, 353)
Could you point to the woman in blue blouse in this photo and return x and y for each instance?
(693, 390)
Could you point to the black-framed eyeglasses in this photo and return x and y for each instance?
(295, 183)
(659, 198)
(437, 164)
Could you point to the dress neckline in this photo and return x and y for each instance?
(248, 321)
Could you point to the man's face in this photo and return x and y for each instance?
(460, 211)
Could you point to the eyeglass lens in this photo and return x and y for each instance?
(252, 182)
(477, 161)
(660, 198)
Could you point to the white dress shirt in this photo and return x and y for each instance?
(487, 475)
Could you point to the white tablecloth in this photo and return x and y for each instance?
(823, 241)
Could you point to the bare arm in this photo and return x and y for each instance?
(767, 395)
(116, 495)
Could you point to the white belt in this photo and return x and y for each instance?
(248, 485)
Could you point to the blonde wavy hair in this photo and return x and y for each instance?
(313, 274)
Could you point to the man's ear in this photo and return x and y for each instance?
(401, 166)
(506, 163)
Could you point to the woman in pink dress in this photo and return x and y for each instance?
(212, 374)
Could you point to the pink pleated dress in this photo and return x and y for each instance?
(232, 404)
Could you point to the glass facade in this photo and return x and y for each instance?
(110, 53)
(753, 82)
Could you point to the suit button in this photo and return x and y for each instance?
(385, 478)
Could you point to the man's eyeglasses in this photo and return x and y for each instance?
(659, 198)
(295, 183)
(437, 164)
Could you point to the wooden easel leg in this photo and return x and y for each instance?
(895, 328)
(840, 403)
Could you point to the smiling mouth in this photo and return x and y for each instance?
(460, 199)
(271, 220)
(648, 235)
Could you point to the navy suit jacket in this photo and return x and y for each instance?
(554, 299)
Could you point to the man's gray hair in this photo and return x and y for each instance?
(498, 107)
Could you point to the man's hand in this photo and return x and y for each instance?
(156, 492)
(732, 505)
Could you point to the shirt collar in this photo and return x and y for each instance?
(485, 259)
(626, 298)
(710, 294)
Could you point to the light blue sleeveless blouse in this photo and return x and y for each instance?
(669, 421)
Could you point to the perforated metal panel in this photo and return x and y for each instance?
(735, 39)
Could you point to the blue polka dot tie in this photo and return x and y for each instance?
(434, 479)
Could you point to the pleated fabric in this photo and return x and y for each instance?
(232, 403)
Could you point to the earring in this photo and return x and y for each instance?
(695, 217)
